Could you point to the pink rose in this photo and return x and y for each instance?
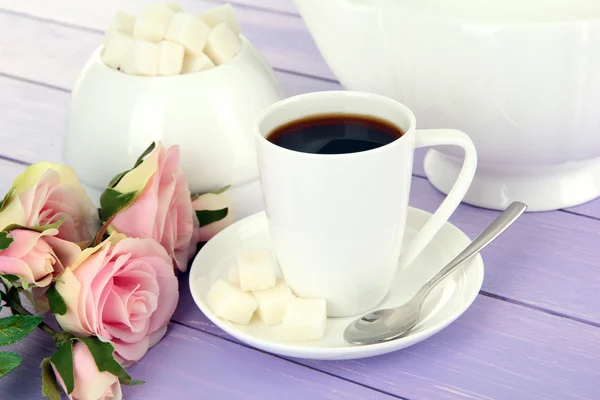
(212, 202)
(161, 209)
(47, 193)
(37, 257)
(90, 383)
(124, 291)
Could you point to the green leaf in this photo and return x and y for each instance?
(130, 382)
(5, 240)
(206, 217)
(105, 360)
(11, 277)
(149, 150)
(50, 386)
(63, 362)
(3, 202)
(114, 181)
(111, 201)
(16, 327)
(8, 362)
(36, 228)
(222, 190)
(55, 300)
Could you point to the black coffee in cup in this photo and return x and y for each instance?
(335, 134)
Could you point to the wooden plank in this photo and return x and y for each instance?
(496, 350)
(33, 112)
(283, 39)
(189, 365)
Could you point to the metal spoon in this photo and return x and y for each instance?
(387, 324)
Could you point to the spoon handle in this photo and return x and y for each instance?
(504, 220)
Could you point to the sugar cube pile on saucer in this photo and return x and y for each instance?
(164, 40)
(254, 289)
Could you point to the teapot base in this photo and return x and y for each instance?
(542, 188)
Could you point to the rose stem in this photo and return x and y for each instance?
(103, 229)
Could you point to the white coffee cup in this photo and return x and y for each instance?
(337, 221)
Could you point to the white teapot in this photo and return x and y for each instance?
(521, 77)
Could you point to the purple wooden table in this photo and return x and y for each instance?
(533, 332)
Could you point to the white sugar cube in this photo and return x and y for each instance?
(170, 59)
(141, 58)
(116, 49)
(174, 6)
(234, 275)
(188, 31)
(256, 269)
(272, 302)
(304, 319)
(122, 22)
(231, 303)
(217, 15)
(222, 44)
(192, 63)
(152, 22)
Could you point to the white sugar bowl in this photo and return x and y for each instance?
(114, 116)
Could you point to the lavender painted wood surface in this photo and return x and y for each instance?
(190, 365)
(496, 350)
(533, 333)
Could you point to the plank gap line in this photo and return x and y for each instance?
(577, 213)
(34, 82)
(540, 309)
(305, 75)
(15, 161)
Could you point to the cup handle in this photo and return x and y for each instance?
(436, 137)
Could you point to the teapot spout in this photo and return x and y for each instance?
(349, 36)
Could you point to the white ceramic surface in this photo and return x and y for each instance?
(446, 303)
(210, 114)
(521, 77)
(337, 220)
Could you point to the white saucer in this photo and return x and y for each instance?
(446, 303)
